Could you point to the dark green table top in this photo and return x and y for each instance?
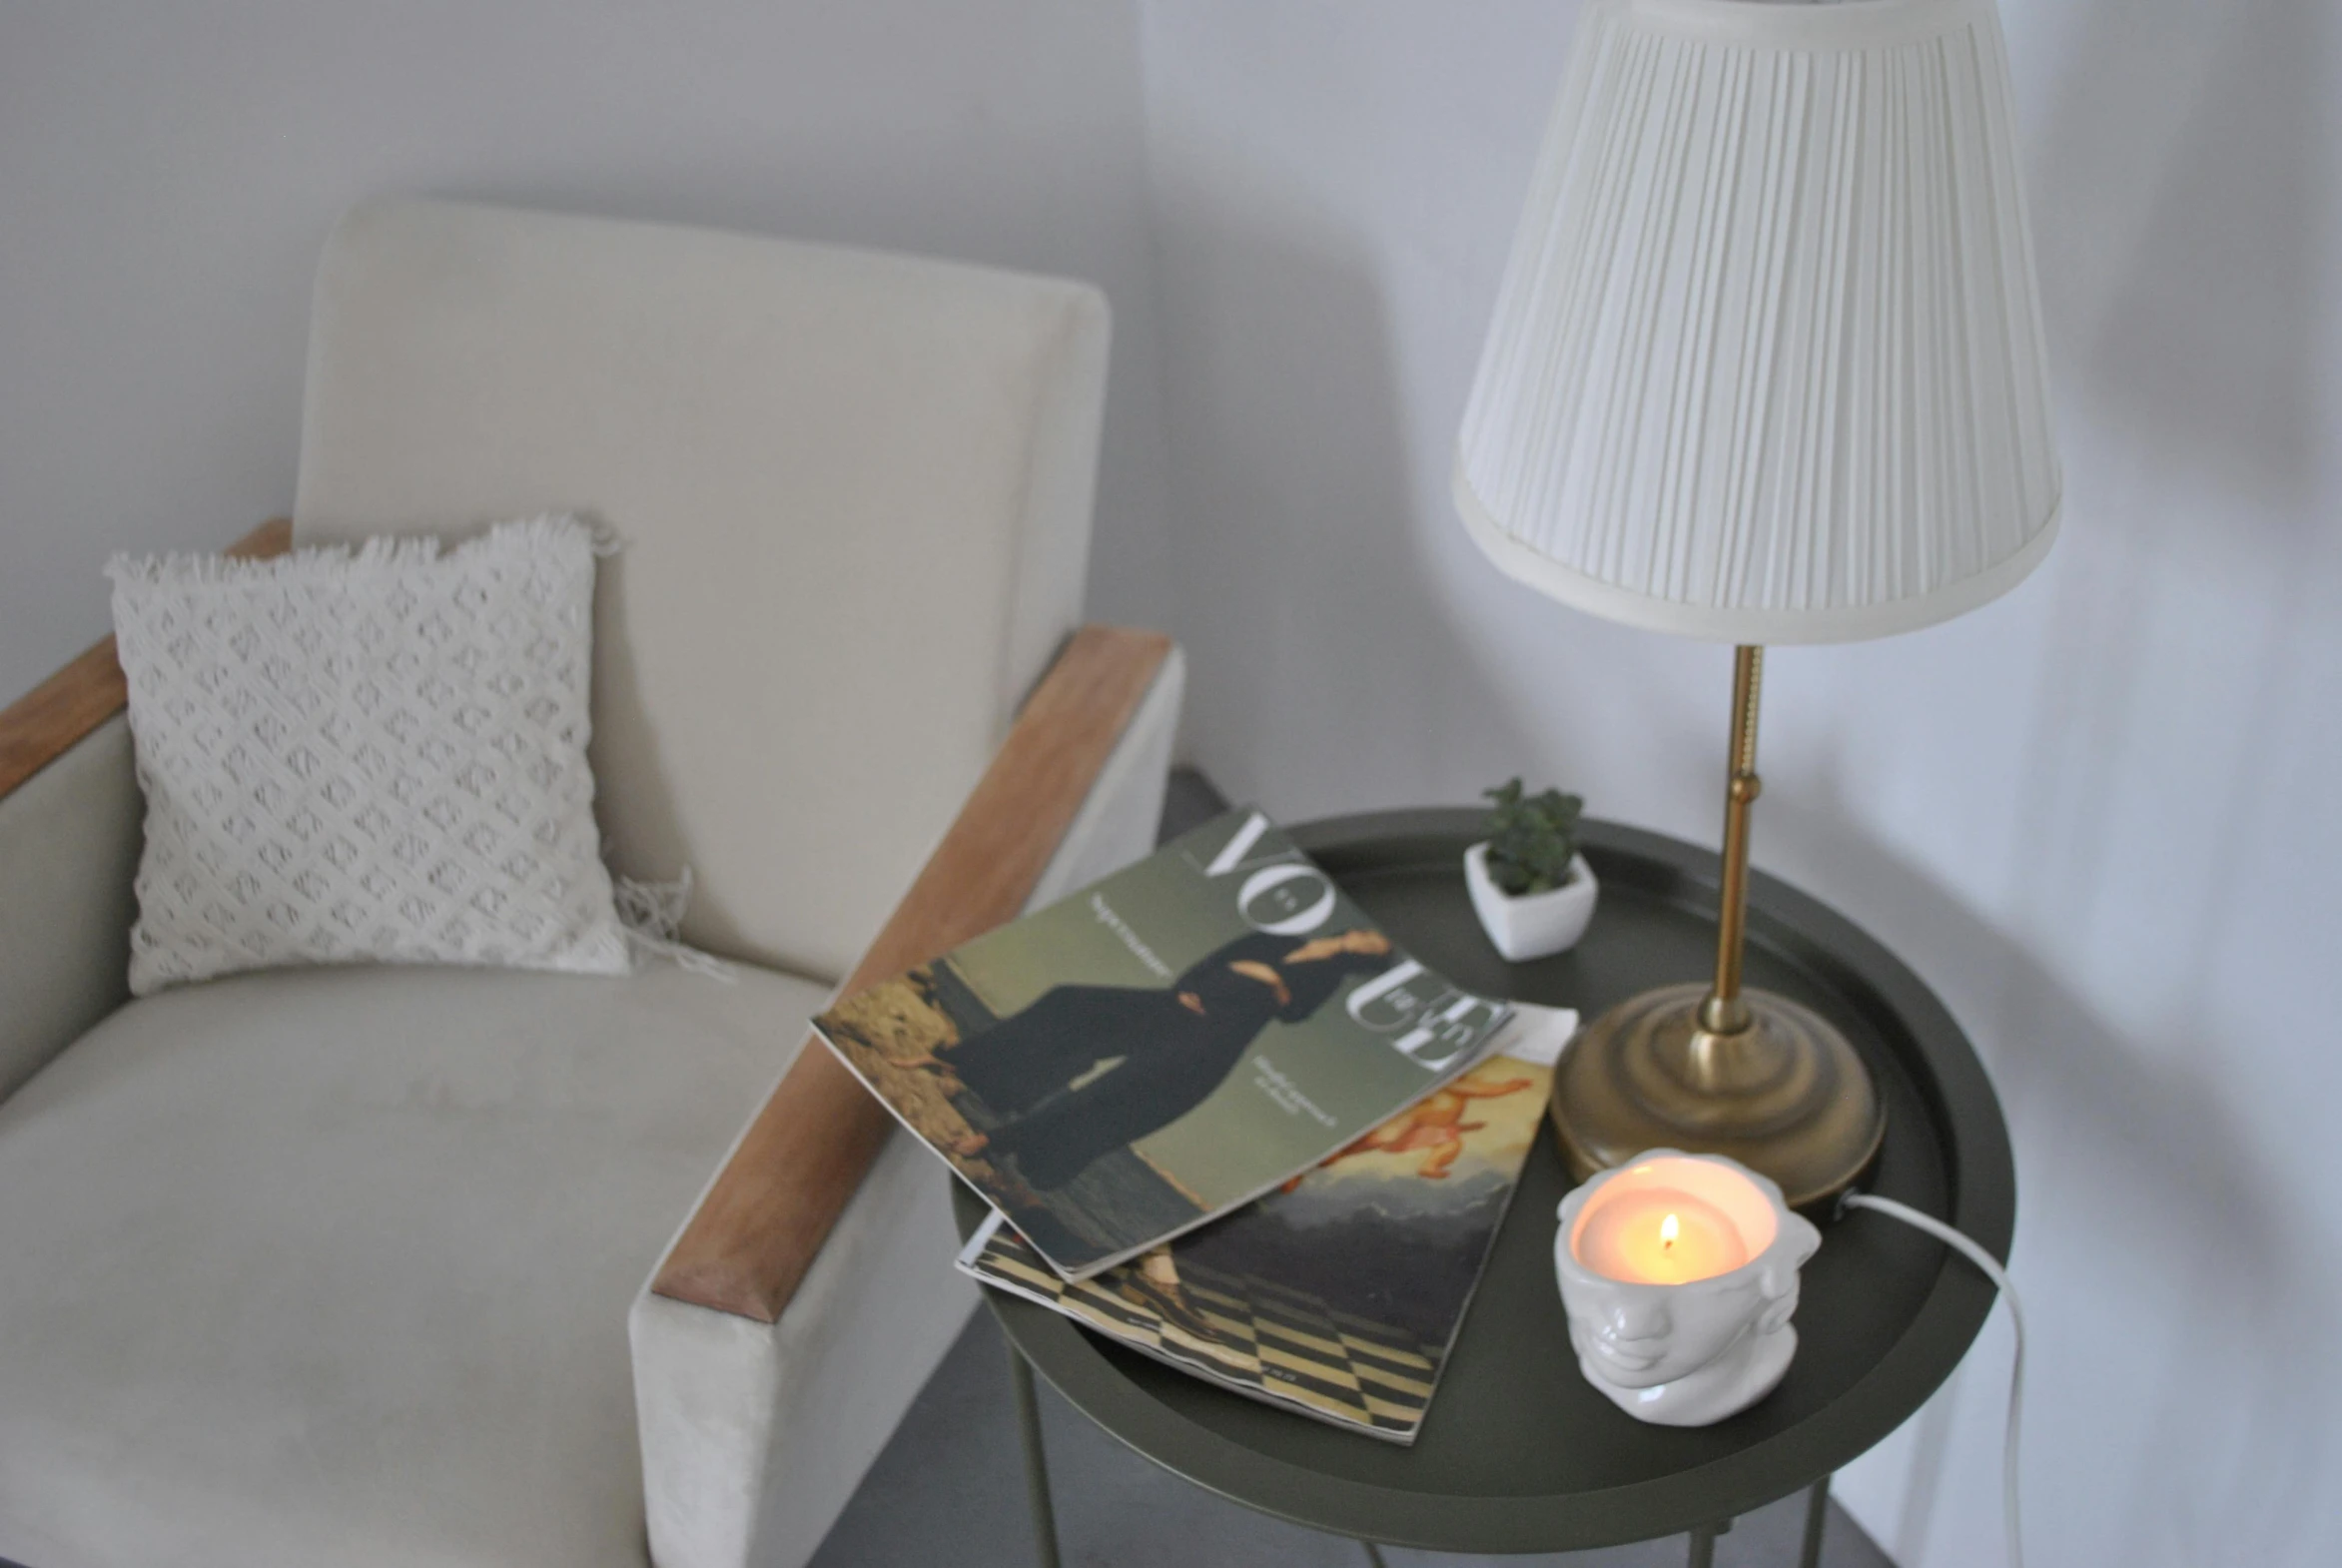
(1518, 1455)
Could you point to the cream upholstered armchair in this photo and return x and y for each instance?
(410, 1266)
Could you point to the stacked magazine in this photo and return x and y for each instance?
(1223, 1119)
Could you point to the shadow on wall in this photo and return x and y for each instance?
(1304, 558)
(2180, 208)
(2186, 1295)
(2176, 212)
(2178, 202)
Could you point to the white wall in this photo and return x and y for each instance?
(2097, 815)
(168, 173)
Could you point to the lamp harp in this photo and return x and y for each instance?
(1719, 1069)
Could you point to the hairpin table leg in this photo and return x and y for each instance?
(1817, 1517)
(1045, 1524)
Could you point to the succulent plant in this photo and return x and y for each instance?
(1531, 838)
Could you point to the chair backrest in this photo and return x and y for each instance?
(854, 492)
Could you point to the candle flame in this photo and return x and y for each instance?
(1666, 1229)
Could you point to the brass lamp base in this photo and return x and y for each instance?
(1784, 1093)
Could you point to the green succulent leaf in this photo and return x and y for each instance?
(1531, 838)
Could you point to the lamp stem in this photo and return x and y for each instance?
(1713, 1069)
(1724, 1012)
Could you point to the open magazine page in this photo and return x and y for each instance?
(1340, 1293)
(1162, 1047)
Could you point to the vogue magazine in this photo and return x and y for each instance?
(1162, 1047)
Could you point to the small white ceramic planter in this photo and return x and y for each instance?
(1534, 924)
(1692, 1353)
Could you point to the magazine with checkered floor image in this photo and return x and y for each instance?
(1294, 1298)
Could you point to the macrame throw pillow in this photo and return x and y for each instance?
(369, 755)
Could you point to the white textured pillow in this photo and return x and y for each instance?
(377, 755)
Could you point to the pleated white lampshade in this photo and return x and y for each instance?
(1767, 362)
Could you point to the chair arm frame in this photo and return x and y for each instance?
(59, 714)
(763, 1221)
(71, 835)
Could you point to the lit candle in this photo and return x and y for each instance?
(1660, 1237)
(1679, 1275)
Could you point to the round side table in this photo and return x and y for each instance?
(1518, 1455)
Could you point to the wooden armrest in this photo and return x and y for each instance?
(764, 1221)
(52, 718)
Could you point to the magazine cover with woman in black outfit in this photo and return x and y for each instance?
(1162, 1047)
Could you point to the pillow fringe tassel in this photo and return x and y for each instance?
(652, 912)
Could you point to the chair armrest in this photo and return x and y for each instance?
(70, 835)
(755, 1432)
(58, 714)
(763, 1221)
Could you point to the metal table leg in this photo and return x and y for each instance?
(1045, 1524)
(1817, 1517)
(1703, 1552)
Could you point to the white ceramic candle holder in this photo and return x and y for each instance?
(1691, 1353)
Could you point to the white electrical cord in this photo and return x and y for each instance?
(2000, 1276)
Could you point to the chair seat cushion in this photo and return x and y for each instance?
(332, 1266)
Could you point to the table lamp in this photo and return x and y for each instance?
(1766, 366)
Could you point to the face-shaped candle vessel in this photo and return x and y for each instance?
(1678, 1273)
